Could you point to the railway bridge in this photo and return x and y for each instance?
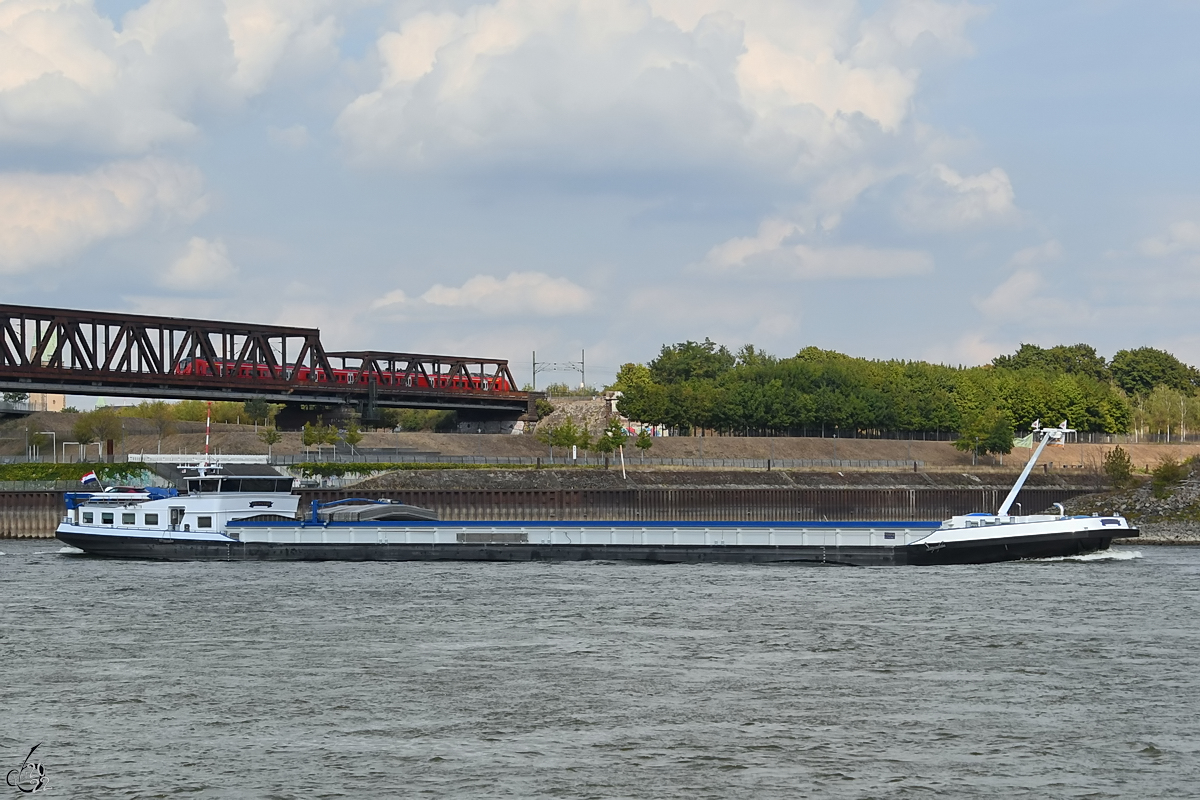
(97, 353)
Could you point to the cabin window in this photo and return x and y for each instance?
(106, 518)
(129, 519)
(87, 517)
(203, 522)
(152, 519)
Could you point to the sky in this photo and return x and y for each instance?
(909, 179)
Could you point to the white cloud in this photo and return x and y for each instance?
(47, 218)
(204, 265)
(969, 349)
(1038, 254)
(734, 253)
(1180, 237)
(396, 297)
(945, 200)
(525, 292)
(1024, 296)
(69, 77)
(271, 35)
(772, 253)
(645, 84)
(1015, 296)
(803, 262)
(293, 137)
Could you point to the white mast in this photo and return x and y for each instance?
(1047, 435)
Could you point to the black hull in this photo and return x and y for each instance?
(1015, 548)
(1012, 549)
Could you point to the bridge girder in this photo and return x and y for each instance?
(100, 353)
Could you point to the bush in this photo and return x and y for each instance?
(1118, 467)
(1167, 475)
(109, 473)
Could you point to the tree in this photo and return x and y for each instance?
(1076, 359)
(691, 360)
(989, 432)
(353, 435)
(311, 435)
(644, 441)
(15, 397)
(611, 439)
(257, 410)
(101, 425)
(1138, 371)
(1118, 467)
(161, 415)
(566, 434)
(270, 437)
(631, 378)
(328, 433)
(38, 440)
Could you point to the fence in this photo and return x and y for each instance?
(591, 461)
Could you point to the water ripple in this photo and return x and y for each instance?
(1030, 680)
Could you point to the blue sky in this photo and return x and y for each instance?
(910, 179)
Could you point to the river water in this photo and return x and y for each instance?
(1074, 678)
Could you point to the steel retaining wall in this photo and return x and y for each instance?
(36, 514)
(30, 515)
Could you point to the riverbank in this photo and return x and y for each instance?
(139, 436)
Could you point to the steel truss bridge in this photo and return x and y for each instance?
(92, 353)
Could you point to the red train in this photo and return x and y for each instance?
(200, 366)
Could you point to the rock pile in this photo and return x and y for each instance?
(1172, 519)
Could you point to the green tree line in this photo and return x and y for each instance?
(705, 385)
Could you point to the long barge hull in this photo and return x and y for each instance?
(835, 553)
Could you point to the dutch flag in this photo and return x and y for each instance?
(90, 478)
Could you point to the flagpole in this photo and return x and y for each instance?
(207, 431)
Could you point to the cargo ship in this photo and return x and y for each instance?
(226, 516)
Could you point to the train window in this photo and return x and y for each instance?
(129, 519)
(106, 518)
(203, 522)
(87, 517)
(152, 519)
